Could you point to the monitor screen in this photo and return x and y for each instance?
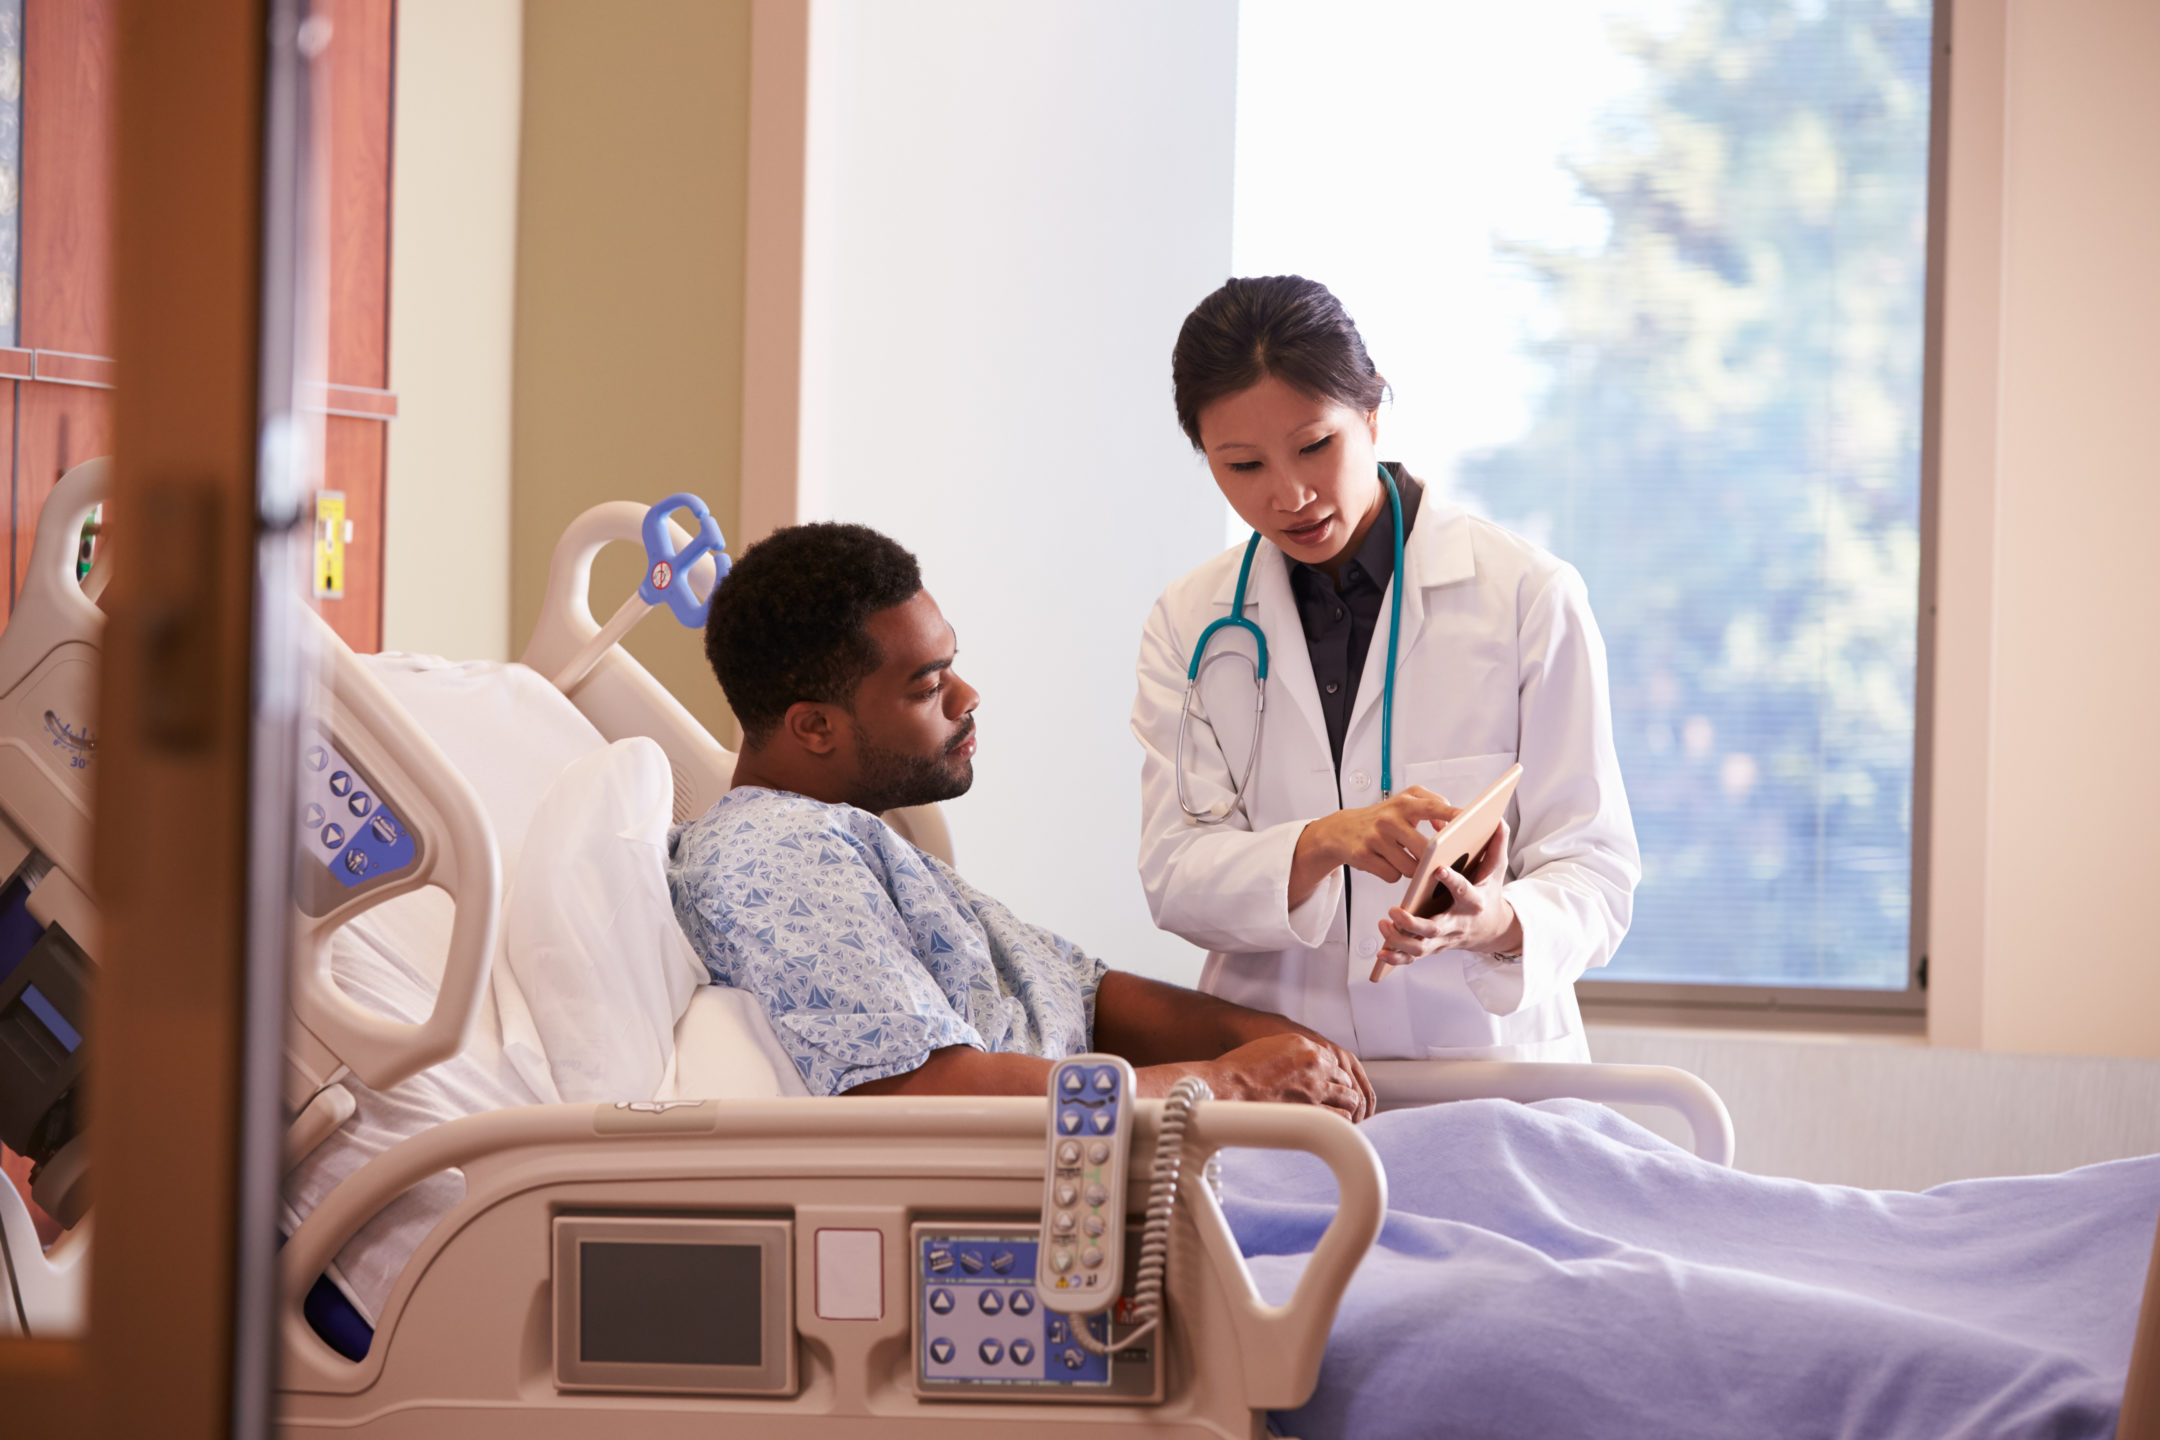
(659, 1303)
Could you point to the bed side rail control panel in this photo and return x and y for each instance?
(982, 1331)
(689, 1305)
(351, 832)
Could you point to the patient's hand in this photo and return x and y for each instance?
(1299, 1068)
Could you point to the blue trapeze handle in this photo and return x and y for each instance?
(667, 570)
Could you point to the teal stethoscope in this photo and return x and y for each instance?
(1217, 813)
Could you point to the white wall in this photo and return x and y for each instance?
(453, 254)
(1011, 208)
(1890, 1114)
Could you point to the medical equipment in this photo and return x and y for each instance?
(1006, 1311)
(44, 998)
(1080, 1265)
(1223, 810)
(1082, 1259)
(48, 922)
(380, 813)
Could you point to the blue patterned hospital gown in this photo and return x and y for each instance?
(867, 953)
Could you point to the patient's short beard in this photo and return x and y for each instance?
(893, 778)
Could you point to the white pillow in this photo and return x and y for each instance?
(507, 730)
(510, 734)
(590, 934)
(725, 1049)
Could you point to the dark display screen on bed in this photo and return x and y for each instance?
(655, 1303)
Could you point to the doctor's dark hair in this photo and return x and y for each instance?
(790, 621)
(1281, 325)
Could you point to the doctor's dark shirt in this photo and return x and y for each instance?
(1340, 616)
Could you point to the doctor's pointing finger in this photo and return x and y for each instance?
(1314, 703)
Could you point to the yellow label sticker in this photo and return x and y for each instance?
(332, 530)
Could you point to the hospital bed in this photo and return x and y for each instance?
(829, 1224)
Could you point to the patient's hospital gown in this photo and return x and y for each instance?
(866, 953)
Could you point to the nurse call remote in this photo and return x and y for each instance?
(1082, 1255)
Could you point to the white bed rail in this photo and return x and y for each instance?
(1402, 1083)
(457, 854)
(48, 710)
(1282, 1345)
(990, 1148)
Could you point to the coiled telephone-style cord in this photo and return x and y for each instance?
(1155, 1233)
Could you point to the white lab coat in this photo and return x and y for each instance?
(1500, 662)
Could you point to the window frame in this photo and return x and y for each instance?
(1709, 1004)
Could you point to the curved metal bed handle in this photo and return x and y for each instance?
(566, 620)
(1427, 1082)
(50, 586)
(1281, 1346)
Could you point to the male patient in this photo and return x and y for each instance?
(883, 971)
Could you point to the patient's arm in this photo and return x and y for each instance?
(964, 1070)
(1289, 1067)
(1167, 1026)
(1150, 1023)
(1167, 1033)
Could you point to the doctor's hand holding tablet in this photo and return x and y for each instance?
(1378, 778)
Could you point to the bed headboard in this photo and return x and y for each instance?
(622, 698)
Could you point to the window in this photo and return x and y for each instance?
(1648, 278)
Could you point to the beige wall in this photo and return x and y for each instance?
(2041, 931)
(453, 256)
(630, 289)
(2074, 952)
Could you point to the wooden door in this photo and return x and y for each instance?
(178, 1046)
(355, 69)
(56, 380)
(61, 374)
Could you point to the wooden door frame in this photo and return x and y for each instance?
(179, 1342)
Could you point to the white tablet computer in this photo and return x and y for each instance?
(1456, 845)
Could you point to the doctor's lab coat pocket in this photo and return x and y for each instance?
(1462, 779)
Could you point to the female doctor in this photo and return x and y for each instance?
(1402, 677)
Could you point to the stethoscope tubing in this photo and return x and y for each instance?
(1218, 813)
